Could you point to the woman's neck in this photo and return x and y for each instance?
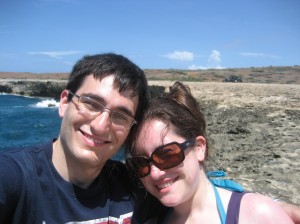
(201, 206)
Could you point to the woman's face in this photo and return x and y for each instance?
(176, 185)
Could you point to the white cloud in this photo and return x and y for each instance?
(214, 57)
(196, 67)
(200, 67)
(214, 60)
(258, 55)
(181, 56)
(55, 54)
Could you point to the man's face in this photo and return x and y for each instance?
(93, 141)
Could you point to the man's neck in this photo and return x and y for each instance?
(79, 174)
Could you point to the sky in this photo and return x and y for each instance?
(50, 36)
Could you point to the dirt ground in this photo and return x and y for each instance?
(254, 134)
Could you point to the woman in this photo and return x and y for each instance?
(168, 155)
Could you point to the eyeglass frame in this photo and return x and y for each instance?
(182, 146)
(110, 111)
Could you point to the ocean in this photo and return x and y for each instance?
(29, 120)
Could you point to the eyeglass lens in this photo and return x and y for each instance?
(95, 108)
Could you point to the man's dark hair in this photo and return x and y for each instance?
(127, 76)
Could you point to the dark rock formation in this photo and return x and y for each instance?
(5, 88)
(52, 89)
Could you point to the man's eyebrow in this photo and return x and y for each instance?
(94, 97)
(101, 100)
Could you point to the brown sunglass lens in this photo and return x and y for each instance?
(140, 166)
(168, 156)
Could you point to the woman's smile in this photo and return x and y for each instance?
(166, 184)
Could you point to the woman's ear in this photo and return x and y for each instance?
(63, 103)
(200, 148)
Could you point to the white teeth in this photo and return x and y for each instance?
(94, 140)
(164, 185)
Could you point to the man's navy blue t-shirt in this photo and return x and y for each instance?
(32, 191)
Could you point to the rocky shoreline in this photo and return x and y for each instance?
(38, 88)
(253, 129)
(45, 88)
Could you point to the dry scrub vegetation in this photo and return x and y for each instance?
(271, 74)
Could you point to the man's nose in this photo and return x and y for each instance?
(102, 122)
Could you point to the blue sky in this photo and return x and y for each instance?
(51, 35)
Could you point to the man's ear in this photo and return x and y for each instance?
(200, 148)
(63, 103)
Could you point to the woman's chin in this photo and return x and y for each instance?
(169, 202)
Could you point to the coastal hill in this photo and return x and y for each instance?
(271, 74)
(253, 127)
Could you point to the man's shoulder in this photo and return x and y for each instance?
(24, 152)
(17, 166)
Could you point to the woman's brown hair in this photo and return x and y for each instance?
(178, 108)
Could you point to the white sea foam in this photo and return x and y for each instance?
(47, 103)
(10, 94)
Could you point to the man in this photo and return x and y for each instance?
(71, 179)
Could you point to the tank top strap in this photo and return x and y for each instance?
(220, 206)
(233, 210)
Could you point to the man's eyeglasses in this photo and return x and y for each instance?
(92, 108)
(163, 157)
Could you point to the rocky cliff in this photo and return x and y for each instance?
(36, 88)
(47, 88)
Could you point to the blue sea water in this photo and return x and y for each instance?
(25, 121)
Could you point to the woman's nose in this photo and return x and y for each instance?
(155, 172)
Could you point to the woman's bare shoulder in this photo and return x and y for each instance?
(257, 208)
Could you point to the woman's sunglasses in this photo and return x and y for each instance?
(163, 157)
